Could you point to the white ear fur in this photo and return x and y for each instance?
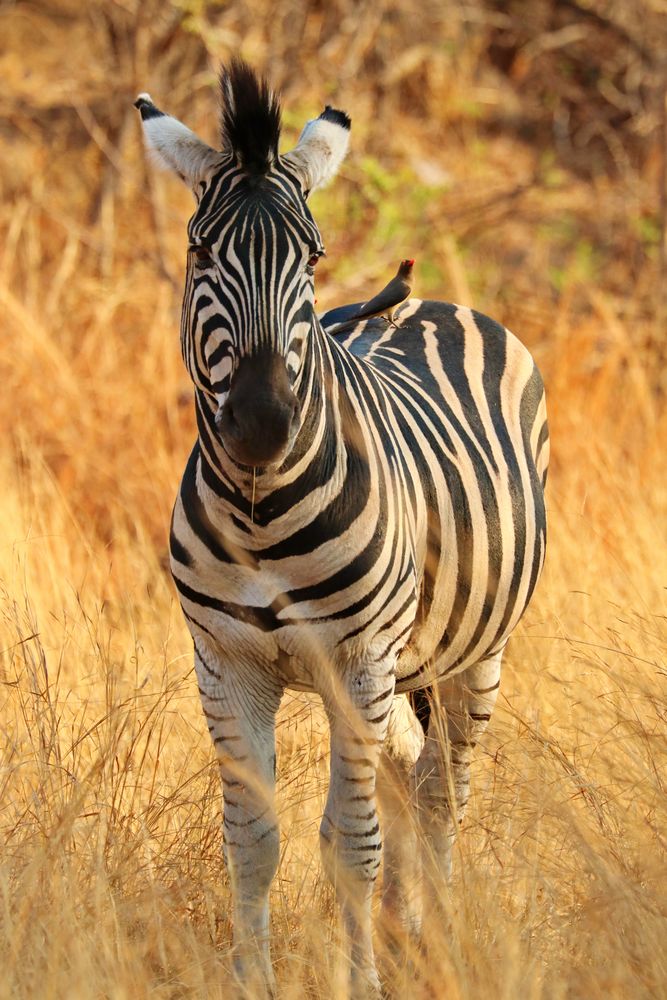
(174, 146)
(321, 148)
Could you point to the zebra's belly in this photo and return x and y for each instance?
(414, 670)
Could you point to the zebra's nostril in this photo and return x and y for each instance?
(231, 416)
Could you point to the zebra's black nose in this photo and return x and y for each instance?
(228, 412)
(260, 418)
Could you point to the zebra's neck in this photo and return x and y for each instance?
(316, 464)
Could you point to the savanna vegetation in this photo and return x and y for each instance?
(517, 150)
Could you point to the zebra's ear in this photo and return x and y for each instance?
(321, 149)
(173, 145)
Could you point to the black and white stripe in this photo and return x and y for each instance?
(392, 546)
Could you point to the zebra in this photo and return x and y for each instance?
(361, 517)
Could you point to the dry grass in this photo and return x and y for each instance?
(111, 880)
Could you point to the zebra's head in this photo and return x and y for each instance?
(248, 308)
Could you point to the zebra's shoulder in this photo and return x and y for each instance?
(449, 317)
(465, 328)
(486, 349)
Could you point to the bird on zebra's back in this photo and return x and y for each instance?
(385, 303)
(361, 517)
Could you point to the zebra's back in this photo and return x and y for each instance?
(470, 414)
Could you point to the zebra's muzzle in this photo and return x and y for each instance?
(260, 418)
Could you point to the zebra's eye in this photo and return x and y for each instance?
(201, 254)
(313, 259)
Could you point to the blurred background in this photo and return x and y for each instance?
(517, 150)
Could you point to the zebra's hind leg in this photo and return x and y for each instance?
(460, 712)
(240, 706)
(350, 831)
(401, 883)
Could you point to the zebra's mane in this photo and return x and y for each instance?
(250, 118)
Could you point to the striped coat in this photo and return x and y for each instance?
(424, 509)
(362, 515)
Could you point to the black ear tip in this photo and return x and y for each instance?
(146, 108)
(337, 117)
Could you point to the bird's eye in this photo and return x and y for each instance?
(201, 254)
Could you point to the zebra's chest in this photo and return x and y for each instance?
(296, 602)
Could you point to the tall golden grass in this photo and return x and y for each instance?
(111, 877)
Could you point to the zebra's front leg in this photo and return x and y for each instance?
(350, 831)
(460, 713)
(240, 706)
